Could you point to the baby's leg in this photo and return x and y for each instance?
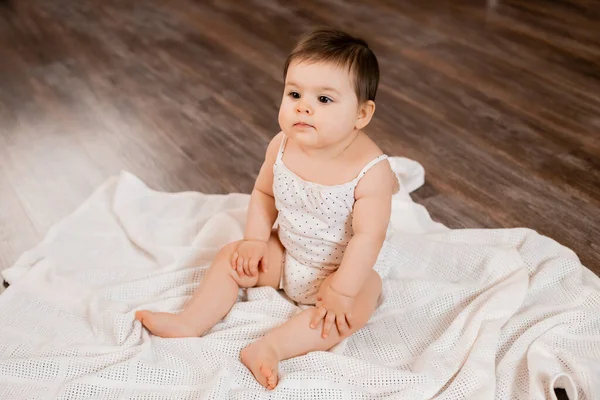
(215, 295)
(295, 337)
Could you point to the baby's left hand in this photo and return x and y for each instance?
(333, 307)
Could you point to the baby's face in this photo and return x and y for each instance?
(319, 106)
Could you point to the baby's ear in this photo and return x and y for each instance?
(365, 113)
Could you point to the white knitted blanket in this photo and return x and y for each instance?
(466, 314)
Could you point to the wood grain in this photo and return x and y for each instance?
(501, 105)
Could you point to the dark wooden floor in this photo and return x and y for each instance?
(501, 104)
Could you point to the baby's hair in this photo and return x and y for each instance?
(339, 48)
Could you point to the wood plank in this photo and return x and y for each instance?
(489, 124)
(541, 33)
(577, 119)
(558, 68)
(548, 18)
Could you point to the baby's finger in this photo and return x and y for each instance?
(329, 320)
(246, 266)
(342, 326)
(234, 258)
(240, 266)
(253, 266)
(265, 263)
(318, 315)
(349, 320)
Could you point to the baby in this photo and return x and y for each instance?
(327, 188)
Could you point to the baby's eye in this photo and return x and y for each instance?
(325, 99)
(294, 95)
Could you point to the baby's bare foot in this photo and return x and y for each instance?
(261, 359)
(166, 325)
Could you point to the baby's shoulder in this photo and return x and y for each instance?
(273, 148)
(365, 150)
(379, 179)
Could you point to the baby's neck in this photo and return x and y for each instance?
(333, 151)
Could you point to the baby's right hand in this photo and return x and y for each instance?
(248, 256)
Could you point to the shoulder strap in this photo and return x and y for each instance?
(370, 165)
(281, 148)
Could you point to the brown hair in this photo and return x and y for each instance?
(334, 46)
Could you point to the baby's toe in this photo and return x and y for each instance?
(270, 377)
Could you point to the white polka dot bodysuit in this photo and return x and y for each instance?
(314, 226)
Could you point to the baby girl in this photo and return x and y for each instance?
(318, 214)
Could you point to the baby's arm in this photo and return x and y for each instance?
(252, 251)
(371, 216)
(262, 212)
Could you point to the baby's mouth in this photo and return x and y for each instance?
(303, 125)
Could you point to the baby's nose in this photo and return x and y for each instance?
(303, 109)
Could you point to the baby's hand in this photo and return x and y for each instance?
(333, 307)
(247, 257)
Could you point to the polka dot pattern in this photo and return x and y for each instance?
(315, 226)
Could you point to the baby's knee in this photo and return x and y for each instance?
(224, 258)
(357, 323)
(367, 301)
